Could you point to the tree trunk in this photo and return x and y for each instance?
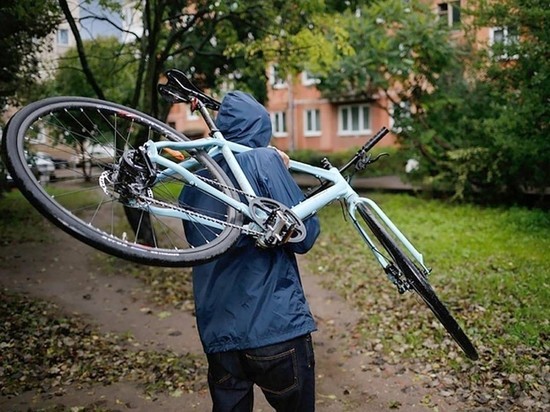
(140, 221)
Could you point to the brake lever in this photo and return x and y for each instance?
(366, 160)
(378, 157)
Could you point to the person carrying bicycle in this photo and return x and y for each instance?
(252, 314)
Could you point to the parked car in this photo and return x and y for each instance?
(97, 155)
(45, 167)
(42, 169)
(58, 162)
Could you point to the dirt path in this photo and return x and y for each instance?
(347, 380)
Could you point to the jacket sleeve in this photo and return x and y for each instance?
(277, 183)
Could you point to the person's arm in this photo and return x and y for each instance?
(283, 188)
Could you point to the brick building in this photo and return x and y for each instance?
(303, 119)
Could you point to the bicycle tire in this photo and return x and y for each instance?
(75, 201)
(419, 283)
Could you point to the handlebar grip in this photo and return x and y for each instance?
(375, 139)
(366, 147)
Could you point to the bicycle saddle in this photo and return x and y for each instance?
(179, 89)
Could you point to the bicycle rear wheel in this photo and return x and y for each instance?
(416, 279)
(86, 138)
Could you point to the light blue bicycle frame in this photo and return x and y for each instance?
(339, 190)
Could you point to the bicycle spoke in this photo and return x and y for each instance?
(89, 200)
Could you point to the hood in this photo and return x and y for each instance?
(242, 119)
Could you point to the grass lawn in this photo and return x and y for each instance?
(491, 266)
(19, 222)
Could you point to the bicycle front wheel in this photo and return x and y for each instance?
(81, 141)
(418, 282)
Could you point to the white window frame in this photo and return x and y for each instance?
(364, 126)
(309, 79)
(278, 122)
(275, 81)
(63, 34)
(507, 40)
(315, 129)
(448, 13)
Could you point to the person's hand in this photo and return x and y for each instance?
(284, 156)
(175, 154)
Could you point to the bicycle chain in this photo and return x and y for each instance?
(156, 202)
(234, 189)
(151, 200)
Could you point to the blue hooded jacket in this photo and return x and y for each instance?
(251, 297)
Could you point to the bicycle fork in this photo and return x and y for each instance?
(392, 272)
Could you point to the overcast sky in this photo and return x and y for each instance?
(93, 27)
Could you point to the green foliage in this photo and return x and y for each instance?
(518, 77)
(477, 121)
(113, 64)
(290, 33)
(25, 25)
(394, 164)
(487, 138)
(219, 43)
(490, 267)
(19, 222)
(395, 45)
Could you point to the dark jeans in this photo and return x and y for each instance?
(284, 372)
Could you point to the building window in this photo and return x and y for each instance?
(449, 13)
(275, 79)
(278, 120)
(501, 39)
(63, 37)
(312, 122)
(309, 79)
(354, 119)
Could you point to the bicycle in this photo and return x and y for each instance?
(127, 204)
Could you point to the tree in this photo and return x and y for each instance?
(397, 48)
(211, 41)
(478, 121)
(484, 126)
(24, 29)
(515, 73)
(113, 64)
(400, 52)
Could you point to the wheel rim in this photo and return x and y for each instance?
(87, 137)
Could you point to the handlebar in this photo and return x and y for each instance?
(365, 149)
(359, 156)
